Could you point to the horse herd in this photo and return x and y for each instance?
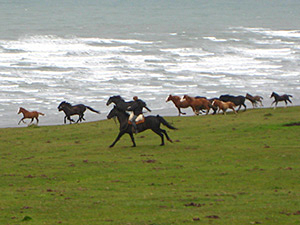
(224, 102)
(119, 111)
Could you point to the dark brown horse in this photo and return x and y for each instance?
(71, 110)
(254, 99)
(29, 115)
(279, 98)
(237, 100)
(179, 103)
(151, 122)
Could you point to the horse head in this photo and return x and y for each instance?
(273, 94)
(62, 105)
(20, 110)
(114, 99)
(112, 113)
(169, 98)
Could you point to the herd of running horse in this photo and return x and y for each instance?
(119, 111)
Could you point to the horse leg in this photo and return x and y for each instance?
(121, 133)
(239, 108)
(65, 119)
(132, 139)
(234, 110)
(37, 120)
(244, 106)
(207, 110)
(79, 119)
(285, 103)
(179, 111)
(158, 132)
(21, 120)
(166, 134)
(71, 120)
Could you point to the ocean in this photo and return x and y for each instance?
(85, 51)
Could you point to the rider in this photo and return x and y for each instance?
(137, 109)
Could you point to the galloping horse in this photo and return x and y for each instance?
(119, 102)
(237, 100)
(198, 104)
(70, 110)
(254, 99)
(224, 106)
(279, 98)
(151, 122)
(178, 102)
(29, 115)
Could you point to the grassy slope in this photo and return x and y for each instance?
(230, 169)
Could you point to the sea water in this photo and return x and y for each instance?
(85, 51)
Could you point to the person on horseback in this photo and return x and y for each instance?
(137, 110)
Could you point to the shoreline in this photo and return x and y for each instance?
(163, 112)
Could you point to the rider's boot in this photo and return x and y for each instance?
(134, 127)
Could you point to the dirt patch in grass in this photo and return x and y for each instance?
(292, 124)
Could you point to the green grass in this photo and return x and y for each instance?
(234, 169)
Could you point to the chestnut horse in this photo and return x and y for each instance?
(29, 115)
(198, 104)
(224, 106)
(178, 102)
(254, 99)
(279, 98)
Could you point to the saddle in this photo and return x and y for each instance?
(140, 119)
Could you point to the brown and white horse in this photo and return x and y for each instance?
(178, 102)
(29, 115)
(224, 106)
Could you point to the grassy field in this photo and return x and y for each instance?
(234, 169)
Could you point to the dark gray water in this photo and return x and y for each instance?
(86, 51)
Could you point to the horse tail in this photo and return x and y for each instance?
(41, 113)
(290, 96)
(164, 122)
(93, 110)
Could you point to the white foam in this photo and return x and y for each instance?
(215, 39)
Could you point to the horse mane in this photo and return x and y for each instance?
(118, 96)
(66, 103)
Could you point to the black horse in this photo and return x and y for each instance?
(279, 98)
(237, 100)
(70, 110)
(151, 122)
(119, 102)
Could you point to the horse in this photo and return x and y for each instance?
(237, 100)
(70, 110)
(279, 98)
(254, 99)
(119, 102)
(198, 104)
(224, 106)
(178, 103)
(151, 122)
(29, 115)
